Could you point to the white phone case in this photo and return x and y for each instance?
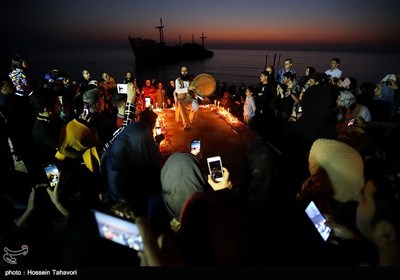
(215, 168)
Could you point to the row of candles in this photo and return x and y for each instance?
(221, 110)
(227, 115)
(216, 104)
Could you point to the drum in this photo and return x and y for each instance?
(205, 84)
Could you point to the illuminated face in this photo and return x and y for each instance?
(25, 64)
(148, 83)
(378, 90)
(288, 65)
(311, 82)
(106, 77)
(334, 64)
(307, 72)
(263, 78)
(7, 88)
(86, 75)
(55, 110)
(366, 210)
(184, 71)
(285, 80)
(248, 93)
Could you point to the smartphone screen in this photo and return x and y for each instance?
(122, 88)
(158, 130)
(318, 220)
(215, 168)
(195, 146)
(119, 231)
(52, 174)
(147, 102)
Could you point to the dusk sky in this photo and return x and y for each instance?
(261, 24)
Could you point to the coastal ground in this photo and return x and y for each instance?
(221, 134)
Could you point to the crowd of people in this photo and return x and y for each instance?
(324, 139)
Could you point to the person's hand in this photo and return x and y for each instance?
(340, 231)
(192, 88)
(393, 84)
(31, 205)
(121, 108)
(224, 184)
(55, 196)
(158, 251)
(131, 92)
(54, 192)
(279, 91)
(32, 197)
(159, 138)
(85, 115)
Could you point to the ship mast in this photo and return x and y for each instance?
(202, 39)
(160, 28)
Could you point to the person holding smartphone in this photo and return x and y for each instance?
(193, 206)
(48, 124)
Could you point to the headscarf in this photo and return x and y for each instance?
(181, 176)
(132, 159)
(389, 77)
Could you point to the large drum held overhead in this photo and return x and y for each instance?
(205, 84)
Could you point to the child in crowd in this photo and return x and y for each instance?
(249, 107)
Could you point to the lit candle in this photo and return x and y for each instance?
(218, 104)
(163, 105)
(215, 102)
(228, 110)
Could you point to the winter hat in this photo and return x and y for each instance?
(343, 165)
